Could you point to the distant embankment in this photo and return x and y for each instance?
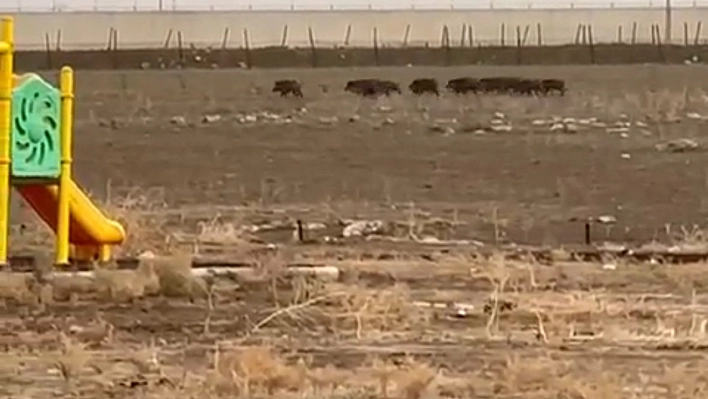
(359, 57)
(356, 28)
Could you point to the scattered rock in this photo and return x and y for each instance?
(539, 122)
(556, 127)
(694, 116)
(354, 118)
(680, 145)
(499, 115)
(606, 219)
(625, 155)
(363, 228)
(384, 108)
(609, 266)
(441, 129)
(328, 120)
(178, 120)
(617, 130)
(145, 65)
(501, 128)
(388, 122)
(211, 118)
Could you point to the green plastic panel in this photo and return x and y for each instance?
(35, 134)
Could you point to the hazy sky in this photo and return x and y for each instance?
(126, 5)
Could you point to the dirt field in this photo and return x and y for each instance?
(210, 163)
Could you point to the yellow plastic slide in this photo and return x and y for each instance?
(88, 226)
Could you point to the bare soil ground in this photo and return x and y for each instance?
(212, 163)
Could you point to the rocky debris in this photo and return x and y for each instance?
(388, 121)
(328, 120)
(384, 109)
(695, 116)
(606, 219)
(446, 130)
(249, 118)
(211, 118)
(178, 121)
(363, 228)
(679, 145)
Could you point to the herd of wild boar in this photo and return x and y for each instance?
(464, 85)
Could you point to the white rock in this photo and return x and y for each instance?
(624, 135)
(680, 145)
(612, 130)
(328, 120)
(606, 219)
(354, 118)
(569, 120)
(571, 128)
(178, 120)
(384, 108)
(211, 118)
(497, 122)
(599, 125)
(499, 115)
(625, 156)
(640, 124)
(363, 228)
(388, 122)
(539, 122)
(557, 127)
(501, 128)
(694, 115)
(609, 266)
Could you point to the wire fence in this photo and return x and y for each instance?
(241, 5)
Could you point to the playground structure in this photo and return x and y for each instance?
(36, 159)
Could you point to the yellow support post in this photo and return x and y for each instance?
(66, 86)
(6, 79)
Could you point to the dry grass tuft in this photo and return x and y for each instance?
(72, 360)
(174, 275)
(16, 288)
(253, 370)
(126, 285)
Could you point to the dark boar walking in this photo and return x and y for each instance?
(463, 85)
(372, 87)
(424, 85)
(553, 85)
(288, 86)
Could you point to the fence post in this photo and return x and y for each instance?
(284, 36)
(48, 47)
(518, 45)
(180, 48)
(592, 45)
(503, 34)
(313, 47)
(685, 34)
(463, 33)
(539, 35)
(633, 40)
(375, 38)
(168, 39)
(470, 35)
(698, 34)
(406, 34)
(247, 47)
(619, 34)
(348, 35)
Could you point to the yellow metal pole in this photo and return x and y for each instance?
(6, 80)
(66, 86)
